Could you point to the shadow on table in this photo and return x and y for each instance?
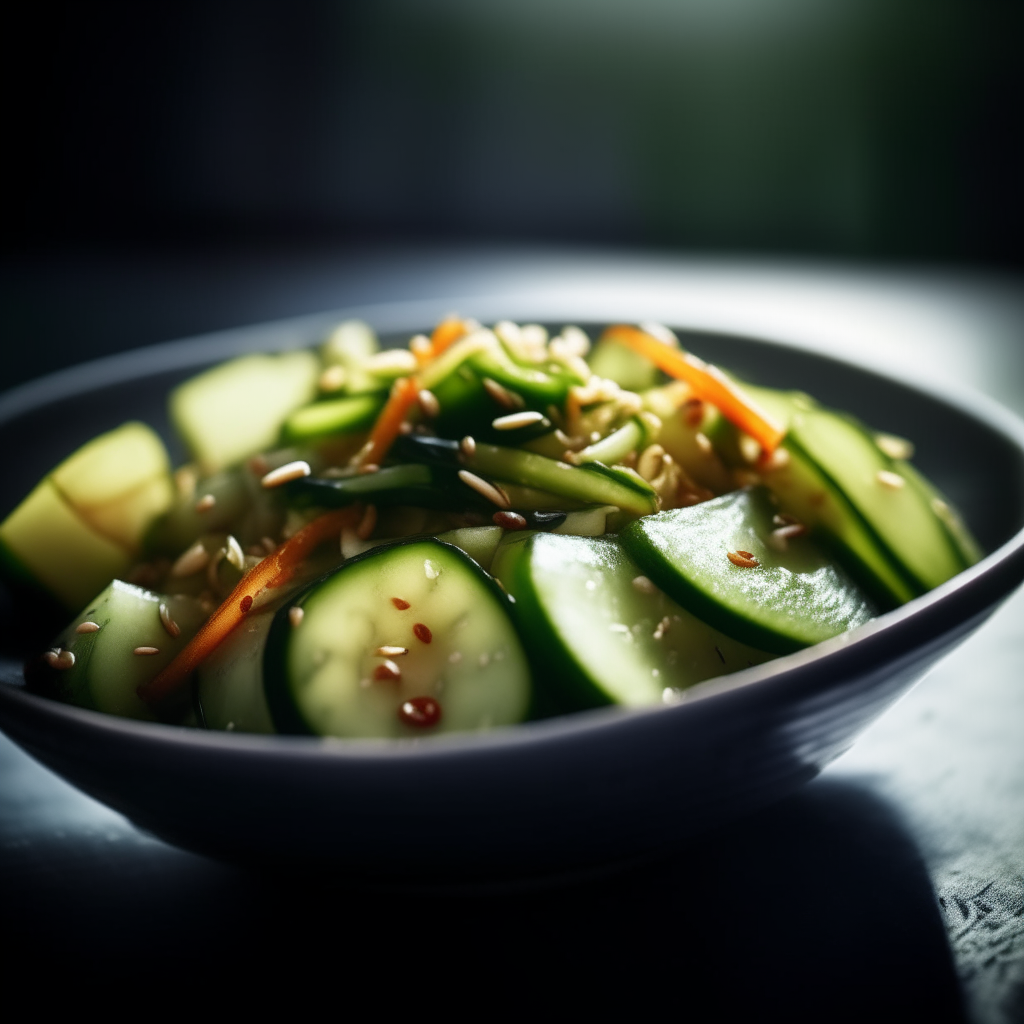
(818, 909)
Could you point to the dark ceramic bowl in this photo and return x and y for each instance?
(547, 797)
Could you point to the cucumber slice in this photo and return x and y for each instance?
(336, 416)
(793, 598)
(598, 637)
(321, 675)
(237, 409)
(106, 670)
(479, 542)
(905, 525)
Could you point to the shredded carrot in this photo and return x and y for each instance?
(273, 571)
(403, 397)
(707, 382)
(446, 333)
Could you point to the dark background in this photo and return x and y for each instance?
(868, 129)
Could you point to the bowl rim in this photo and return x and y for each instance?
(922, 621)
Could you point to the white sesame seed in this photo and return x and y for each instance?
(704, 443)
(749, 448)
(778, 459)
(430, 570)
(205, 503)
(234, 553)
(889, 480)
(286, 473)
(650, 461)
(515, 420)
(192, 561)
(468, 446)
(87, 627)
(173, 629)
(895, 447)
(502, 395)
(295, 616)
(484, 488)
(146, 650)
(644, 585)
(333, 378)
(455, 657)
(428, 403)
(389, 651)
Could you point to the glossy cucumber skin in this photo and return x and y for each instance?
(793, 598)
(107, 671)
(319, 678)
(594, 634)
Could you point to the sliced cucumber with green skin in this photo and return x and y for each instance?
(325, 673)
(106, 669)
(331, 416)
(426, 486)
(791, 598)
(601, 633)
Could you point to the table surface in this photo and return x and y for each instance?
(895, 879)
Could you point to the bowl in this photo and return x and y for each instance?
(545, 798)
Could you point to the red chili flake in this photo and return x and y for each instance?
(386, 671)
(420, 711)
(400, 604)
(246, 603)
(422, 633)
(509, 520)
(693, 411)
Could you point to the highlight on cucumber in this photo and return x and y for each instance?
(487, 526)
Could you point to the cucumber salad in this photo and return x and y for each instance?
(486, 526)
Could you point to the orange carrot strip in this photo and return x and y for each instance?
(446, 333)
(707, 381)
(272, 571)
(404, 393)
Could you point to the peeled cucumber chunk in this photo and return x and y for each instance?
(106, 670)
(793, 597)
(600, 631)
(325, 674)
(84, 522)
(55, 548)
(238, 408)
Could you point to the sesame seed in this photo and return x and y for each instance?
(468, 446)
(400, 603)
(889, 480)
(233, 552)
(455, 657)
(662, 628)
(743, 559)
(779, 538)
(205, 503)
(650, 461)
(484, 488)
(87, 627)
(286, 473)
(370, 467)
(704, 443)
(390, 651)
(516, 420)
(146, 650)
(192, 561)
(421, 347)
(509, 520)
(367, 523)
(778, 459)
(509, 399)
(173, 629)
(60, 659)
(895, 447)
(644, 585)
(387, 671)
(295, 616)
(749, 448)
(422, 633)
(333, 378)
(428, 403)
